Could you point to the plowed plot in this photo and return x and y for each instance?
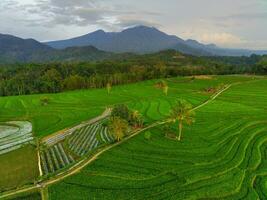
(18, 168)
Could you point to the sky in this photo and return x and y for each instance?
(227, 23)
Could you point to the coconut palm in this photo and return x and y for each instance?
(183, 113)
(136, 118)
(118, 127)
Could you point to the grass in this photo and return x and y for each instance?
(222, 156)
(18, 168)
(70, 108)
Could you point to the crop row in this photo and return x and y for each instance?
(88, 138)
(55, 158)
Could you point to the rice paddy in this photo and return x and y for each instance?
(223, 155)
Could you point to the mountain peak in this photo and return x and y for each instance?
(140, 28)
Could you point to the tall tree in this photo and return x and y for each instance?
(118, 127)
(183, 114)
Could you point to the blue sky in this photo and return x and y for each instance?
(227, 23)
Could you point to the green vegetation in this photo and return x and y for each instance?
(118, 127)
(183, 114)
(109, 87)
(221, 156)
(71, 108)
(18, 168)
(28, 196)
(20, 79)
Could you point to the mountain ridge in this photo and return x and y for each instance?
(143, 39)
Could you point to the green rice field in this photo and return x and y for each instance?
(223, 155)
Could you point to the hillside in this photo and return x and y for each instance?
(18, 50)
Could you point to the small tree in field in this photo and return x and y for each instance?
(109, 87)
(182, 112)
(122, 111)
(44, 100)
(165, 89)
(136, 119)
(163, 86)
(118, 127)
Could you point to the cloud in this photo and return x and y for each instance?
(86, 13)
(220, 38)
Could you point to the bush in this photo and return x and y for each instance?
(45, 100)
(122, 111)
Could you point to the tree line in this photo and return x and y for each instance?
(23, 79)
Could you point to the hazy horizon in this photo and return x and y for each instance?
(238, 24)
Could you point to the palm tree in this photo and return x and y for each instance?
(118, 127)
(183, 113)
(136, 118)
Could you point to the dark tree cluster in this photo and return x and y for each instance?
(23, 79)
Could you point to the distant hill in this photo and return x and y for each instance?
(17, 49)
(142, 39)
(14, 49)
(102, 45)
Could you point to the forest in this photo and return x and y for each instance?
(35, 78)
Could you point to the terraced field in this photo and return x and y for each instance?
(71, 108)
(14, 134)
(18, 155)
(222, 156)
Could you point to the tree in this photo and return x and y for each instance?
(183, 113)
(261, 66)
(44, 100)
(136, 119)
(121, 111)
(108, 88)
(51, 81)
(118, 127)
(163, 86)
(74, 82)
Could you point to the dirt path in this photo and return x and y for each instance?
(80, 165)
(61, 135)
(212, 97)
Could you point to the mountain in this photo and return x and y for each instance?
(102, 45)
(139, 39)
(14, 49)
(142, 39)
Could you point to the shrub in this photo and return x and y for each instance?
(121, 111)
(45, 100)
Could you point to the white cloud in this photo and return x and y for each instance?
(228, 23)
(224, 39)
